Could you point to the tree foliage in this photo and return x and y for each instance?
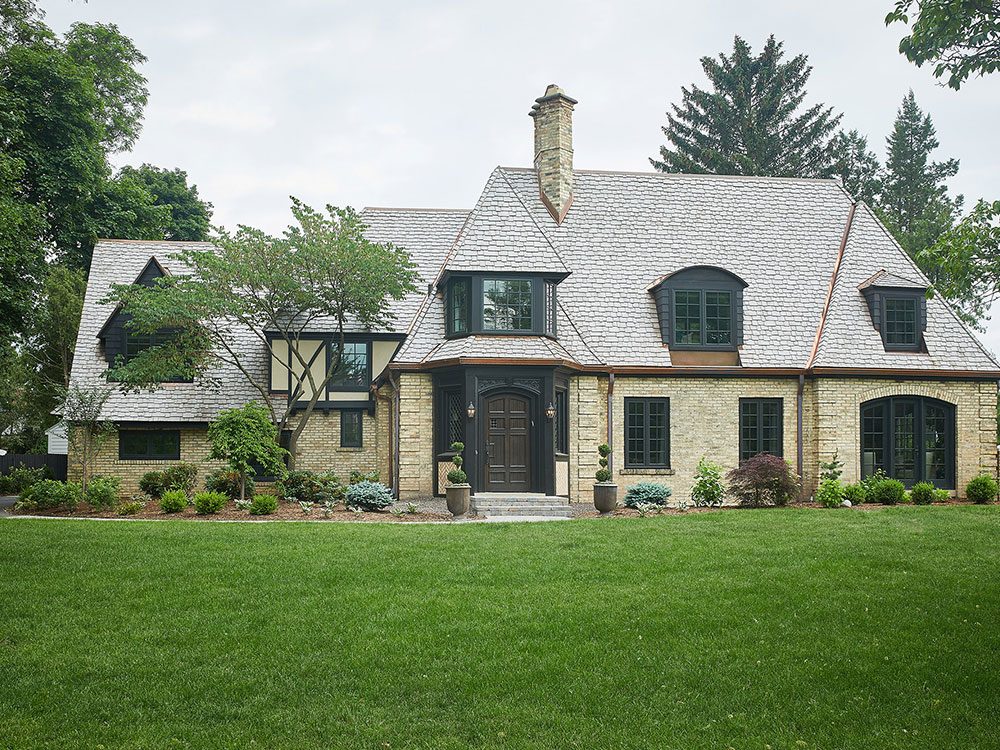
(83, 411)
(913, 202)
(857, 168)
(189, 216)
(968, 261)
(763, 480)
(751, 120)
(321, 273)
(246, 439)
(959, 37)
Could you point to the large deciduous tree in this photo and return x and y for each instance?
(189, 215)
(320, 274)
(913, 202)
(751, 120)
(959, 37)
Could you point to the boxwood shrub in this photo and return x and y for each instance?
(982, 489)
(887, 492)
(173, 501)
(647, 493)
(856, 494)
(209, 502)
(368, 495)
(923, 493)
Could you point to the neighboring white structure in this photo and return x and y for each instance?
(58, 441)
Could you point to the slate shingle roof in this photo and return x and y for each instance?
(622, 233)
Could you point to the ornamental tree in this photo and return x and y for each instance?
(247, 440)
(88, 431)
(320, 274)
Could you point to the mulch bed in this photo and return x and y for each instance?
(284, 512)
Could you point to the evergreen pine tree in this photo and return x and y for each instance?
(857, 168)
(750, 122)
(914, 203)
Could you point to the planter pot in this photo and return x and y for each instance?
(605, 497)
(457, 496)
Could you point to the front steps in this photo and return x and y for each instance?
(519, 504)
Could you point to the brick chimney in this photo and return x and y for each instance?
(553, 115)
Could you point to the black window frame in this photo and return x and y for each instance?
(703, 280)
(560, 424)
(451, 415)
(359, 413)
(889, 438)
(759, 403)
(878, 299)
(646, 463)
(543, 300)
(334, 385)
(148, 455)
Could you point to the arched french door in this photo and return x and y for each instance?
(910, 438)
(507, 425)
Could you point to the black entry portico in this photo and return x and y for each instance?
(504, 417)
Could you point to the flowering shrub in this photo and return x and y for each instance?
(131, 506)
(830, 493)
(304, 486)
(856, 494)
(708, 490)
(371, 476)
(763, 480)
(21, 478)
(368, 496)
(647, 493)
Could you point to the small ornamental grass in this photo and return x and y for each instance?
(209, 502)
(173, 501)
(263, 504)
(372, 496)
(102, 492)
(708, 490)
(763, 480)
(982, 489)
(923, 493)
(647, 493)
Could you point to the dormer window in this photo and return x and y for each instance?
(898, 309)
(701, 308)
(513, 304)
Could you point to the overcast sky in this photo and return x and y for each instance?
(413, 103)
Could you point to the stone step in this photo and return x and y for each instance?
(521, 512)
(518, 505)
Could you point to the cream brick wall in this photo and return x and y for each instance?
(416, 436)
(194, 449)
(704, 421)
(588, 426)
(319, 448)
(838, 422)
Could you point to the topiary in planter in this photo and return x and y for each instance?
(647, 493)
(604, 473)
(456, 475)
(982, 489)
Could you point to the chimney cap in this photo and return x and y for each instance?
(552, 91)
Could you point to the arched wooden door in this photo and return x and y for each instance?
(508, 443)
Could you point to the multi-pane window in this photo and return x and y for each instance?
(149, 445)
(910, 438)
(900, 326)
(703, 317)
(507, 304)
(350, 428)
(458, 306)
(353, 369)
(135, 343)
(550, 308)
(452, 419)
(561, 423)
(647, 432)
(760, 427)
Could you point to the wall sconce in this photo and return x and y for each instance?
(550, 411)
(471, 410)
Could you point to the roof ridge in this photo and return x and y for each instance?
(833, 281)
(696, 175)
(420, 210)
(538, 226)
(155, 242)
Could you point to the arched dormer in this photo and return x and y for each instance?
(700, 308)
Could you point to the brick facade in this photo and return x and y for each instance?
(416, 435)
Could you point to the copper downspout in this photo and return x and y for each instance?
(394, 463)
(798, 429)
(611, 422)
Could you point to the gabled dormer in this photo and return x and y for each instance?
(116, 338)
(898, 309)
(500, 303)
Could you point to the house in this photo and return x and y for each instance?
(672, 316)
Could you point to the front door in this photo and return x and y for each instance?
(508, 443)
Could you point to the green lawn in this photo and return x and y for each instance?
(742, 629)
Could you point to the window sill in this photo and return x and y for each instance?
(351, 448)
(651, 470)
